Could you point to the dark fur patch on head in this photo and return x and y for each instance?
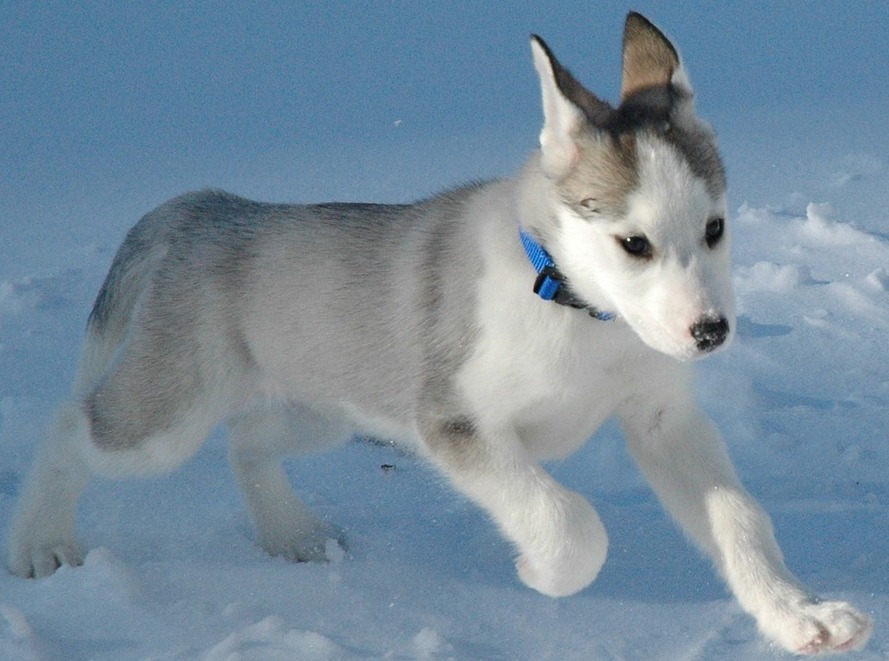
(697, 145)
(604, 176)
(606, 173)
(661, 111)
(650, 107)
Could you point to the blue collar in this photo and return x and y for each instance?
(550, 284)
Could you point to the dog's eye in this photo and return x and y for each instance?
(637, 246)
(714, 231)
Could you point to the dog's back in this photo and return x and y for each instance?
(355, 306)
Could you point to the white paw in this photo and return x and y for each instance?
(318, 542)
(568, 558)
(821, 628)
(29, 559)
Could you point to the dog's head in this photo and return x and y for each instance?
(637, 222)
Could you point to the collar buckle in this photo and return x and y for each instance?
(551, 284)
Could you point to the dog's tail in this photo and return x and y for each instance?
(135, 262)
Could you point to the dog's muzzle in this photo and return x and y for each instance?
(710, 333)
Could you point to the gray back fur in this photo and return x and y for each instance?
(370, 307)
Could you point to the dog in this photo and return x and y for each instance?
(488, 328)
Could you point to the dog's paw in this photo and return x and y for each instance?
(821, 628)
(570, 559)
(319, 542)
(41, 560)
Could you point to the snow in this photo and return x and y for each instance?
(112, 110)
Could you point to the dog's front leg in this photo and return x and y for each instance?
(561, 541)
(685, 461)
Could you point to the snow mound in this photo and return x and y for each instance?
(271, 640)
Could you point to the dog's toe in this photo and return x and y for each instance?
(841, 628)
(321, 543)
(825, 628)
(39, 562)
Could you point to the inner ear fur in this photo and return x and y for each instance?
(649, 59)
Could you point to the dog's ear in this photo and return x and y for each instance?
(567, 108)
(650, 60)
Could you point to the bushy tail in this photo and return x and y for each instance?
(128, 278)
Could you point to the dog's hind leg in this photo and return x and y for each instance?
(42, 536)
(146, 413)
(258, 441)
(157, 404)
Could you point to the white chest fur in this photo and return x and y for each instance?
(550, 373)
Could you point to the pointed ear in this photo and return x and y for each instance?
(563, 119)
(649, 59)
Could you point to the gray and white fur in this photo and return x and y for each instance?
(300, 325)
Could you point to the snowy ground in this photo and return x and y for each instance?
(802, 397)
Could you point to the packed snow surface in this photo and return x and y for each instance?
(802, 397)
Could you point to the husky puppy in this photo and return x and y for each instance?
(489, 328)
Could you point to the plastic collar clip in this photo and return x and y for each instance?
(550, 284)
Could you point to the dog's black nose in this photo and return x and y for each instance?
(709, 333)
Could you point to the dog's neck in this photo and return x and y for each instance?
(551, 284)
